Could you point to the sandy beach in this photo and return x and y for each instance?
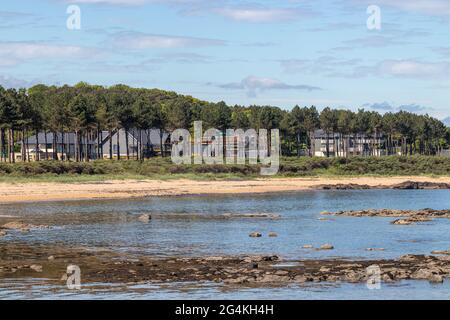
(122, 189)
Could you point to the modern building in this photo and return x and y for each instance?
(342, 146)
(42, 145)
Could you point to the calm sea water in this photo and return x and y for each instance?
(108, 224)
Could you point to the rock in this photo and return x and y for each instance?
(375, 249)
(435, 278)
(238, 280)
(300, 279)
(270, 258)
(410, 220)
(145, 218)
(36, 267)
(325, 213)
(409, 215)
(252, 215)
(333, 278)
(21, 226)
(308, 246)
(3, 233)
(402, 222)
(214, 259)
(408, 258)
(353, 277)
(273, 235)
(422, 274)
(324, 269)
(51, 258)
(340, 186)
(281, 273)
(326, 247)
(255, 235)
(387, 277)
(413, 185)
(15, 225)
(64, 277)
(446, 252)
(272, 278)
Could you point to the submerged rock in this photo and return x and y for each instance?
(21, 226)
(255, 235)
(252, 215)
(409, 221)
(402, 222)
(436, 279)
(273, 235)
(145, 218)
(326, 247)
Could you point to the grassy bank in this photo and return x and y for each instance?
(158, 168)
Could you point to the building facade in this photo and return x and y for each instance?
(342, 146)
(99, 146)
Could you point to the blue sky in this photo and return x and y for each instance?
(282, 52)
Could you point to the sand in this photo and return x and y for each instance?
(119, 189)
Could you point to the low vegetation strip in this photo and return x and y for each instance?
(290, 166)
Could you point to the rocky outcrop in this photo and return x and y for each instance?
(407, 185)
(409, 221)
(409, 216)
(414, 185)
(105, 266)
(21, 226)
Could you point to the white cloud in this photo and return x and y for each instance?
(137, 40)
(113, 2)
(135, 2)
(12, 53)
(428, 7)
(406, 68)
(257, 15)
(413, 69)
(390, 107)
(257, 84)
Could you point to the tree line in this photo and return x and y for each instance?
(88, 110)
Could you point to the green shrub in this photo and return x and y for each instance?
(303, 166)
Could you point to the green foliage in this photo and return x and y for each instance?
(87, 110)
(290, 166)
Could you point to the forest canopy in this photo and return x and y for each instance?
(87, 110)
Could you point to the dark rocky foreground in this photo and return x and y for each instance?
(407, 185)
(18, 260)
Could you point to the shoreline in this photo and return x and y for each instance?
(129, 189)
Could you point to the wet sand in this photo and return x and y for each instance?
(36, 192)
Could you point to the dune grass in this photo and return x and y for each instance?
(164, 169)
